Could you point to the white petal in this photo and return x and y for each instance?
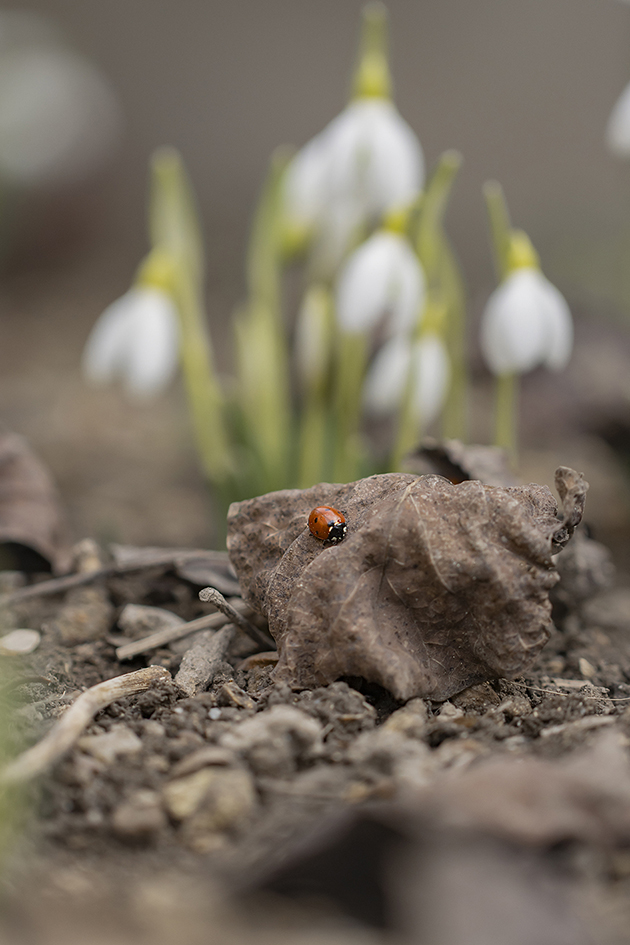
(433, 377)
(153, 351)
(559, 327)
(387, 377)
(104, 352)
(382, 282)
(136, 340)
(364, 163)
(373, 155)
(618, 128)
(513, 332)
(303, 183)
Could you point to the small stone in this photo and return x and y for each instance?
(87, 556)
(451, 712)
(232, 695)
(140, 816)
(268, 658)
(276, 741)
(409, 721)
(20, 641)
(86, 615)
(120, 740)
(217, 798)
(138, 620)
(204, 758)
(587, 669)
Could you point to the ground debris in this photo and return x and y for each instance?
(436, 586)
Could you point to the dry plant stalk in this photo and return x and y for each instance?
(161, 637)
(67, 730)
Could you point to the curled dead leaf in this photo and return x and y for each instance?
(436, 586)
(33, 532)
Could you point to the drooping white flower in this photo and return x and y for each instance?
(381, 284)
(367, 159)
(136, 341)
(526, 323)
(618, 128)
(387, 379)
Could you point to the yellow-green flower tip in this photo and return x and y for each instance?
(372, 78)
(397, 220)
(433, 317)
(295, 239)
(157, 271)
(521, 253)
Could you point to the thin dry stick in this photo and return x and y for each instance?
(169, 634)
(68, 581)
(212, 596)
(67, 730)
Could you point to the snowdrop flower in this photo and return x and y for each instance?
(618, 128)
(386, 382)
(136, 341)
(382, 284)
(526, 323)
(367, 160)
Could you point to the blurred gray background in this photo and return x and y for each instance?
(523, 88)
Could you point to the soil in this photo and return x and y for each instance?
(234, 813)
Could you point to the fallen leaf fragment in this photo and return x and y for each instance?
(435, 588)
(33, 532)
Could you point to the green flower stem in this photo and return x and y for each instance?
(176, 233)
(445, 286)
(204, 394)
(263, 358)
(313, 343)
(506, 413)
(313, 437)
(500, 227)
(506, 385)
(352, 356)
(408, 427)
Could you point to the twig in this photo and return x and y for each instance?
(67, 730)
(169, 634)
(202, 662)
(69, 581)
(212, 596)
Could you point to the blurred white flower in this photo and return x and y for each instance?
(526, 323)
(381, 285)
(367, 160)
(618, 128)
(385, 385)
(59, 119)
(135, 340)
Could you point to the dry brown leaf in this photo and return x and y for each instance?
(436, 586)
(33, 534)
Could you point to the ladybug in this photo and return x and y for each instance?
(327, 524)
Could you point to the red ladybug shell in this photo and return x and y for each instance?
(327, 524)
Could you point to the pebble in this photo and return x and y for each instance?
(120, 740)
(275, 742)
(86, 616)
(140, 816)
(20, 641)
(212, 799)
(138, 620)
